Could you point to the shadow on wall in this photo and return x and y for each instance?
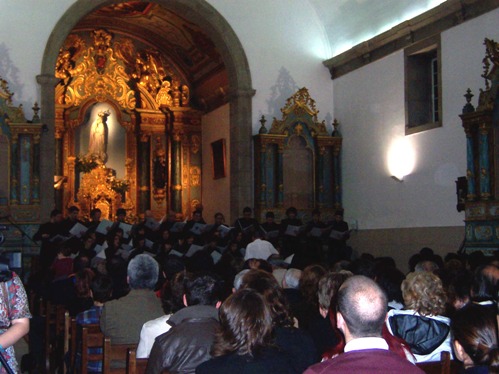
(10, 73)
(283, 89)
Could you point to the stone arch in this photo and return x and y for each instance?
(240, 95)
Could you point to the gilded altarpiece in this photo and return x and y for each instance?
(481, 126)
(126, 135)
(20, 174)
(297, 163)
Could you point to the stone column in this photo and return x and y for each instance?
(47, 84)
(241, 173)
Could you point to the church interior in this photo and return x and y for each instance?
(164, 105)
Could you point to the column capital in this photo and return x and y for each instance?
(47, 80)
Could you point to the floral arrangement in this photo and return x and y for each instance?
(85, 164)
(118, 185)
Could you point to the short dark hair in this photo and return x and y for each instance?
(291, 210)
(72, 209)
(120, 212)
(245, 324)
(247, 209)
(363, 305)
(94, 211)
(270, 215)
(54, 213)
(202, 289)
(102, 287)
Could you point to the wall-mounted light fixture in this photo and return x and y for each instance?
(401, 158)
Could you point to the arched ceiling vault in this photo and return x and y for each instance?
(181, 42)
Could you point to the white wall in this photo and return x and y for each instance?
(285, 43)
(369, 103)
(216, 192)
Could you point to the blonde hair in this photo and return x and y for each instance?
(423, 292)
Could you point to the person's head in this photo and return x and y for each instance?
(95, 214)
(266, 285)
(83, 280)
(390, 280)
(328, 288)
(316, 215)
(245, 324)
(73, 213)
(121, 214)
(56, 216)
(362, 307)
(474, 330)
(291, 212)
(142, 272)
(238, 279)
(201, 289)
(309, 282)
(338, 215)
(292, 278)
(247, 212)
(484, 285)
(65, 250)
(423, 292)
(197, 215)
(269, 217)
(426, 265)
(219, 218)
(172, 216)
(102, 287)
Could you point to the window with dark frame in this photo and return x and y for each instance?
(423, 86)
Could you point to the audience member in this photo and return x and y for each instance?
(243, 343)
(474, 330)
(362, 307)
(259, 248)
(122, 319)
(188, 342)
(297, 343)
(171, 301)
(421, 324)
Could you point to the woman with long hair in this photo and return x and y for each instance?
(474, 330)
(243, 343)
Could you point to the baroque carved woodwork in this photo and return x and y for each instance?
(146, 102)
(297, 162)
(481, 127)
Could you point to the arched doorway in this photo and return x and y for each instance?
(240, 92)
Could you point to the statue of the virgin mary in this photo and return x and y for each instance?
(97, 145)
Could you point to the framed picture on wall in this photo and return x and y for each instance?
(218, 158)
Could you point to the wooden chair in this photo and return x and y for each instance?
(115, 357)
(135, 365)
(54, 334)
(91, 337)
(444, 366)
(72, 343)
(69, 331)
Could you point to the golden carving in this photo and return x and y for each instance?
(164, 97)
(196, 143)
(195, 176)
(177, 187)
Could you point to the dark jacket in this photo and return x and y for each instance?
(187, 344)
(426, 336)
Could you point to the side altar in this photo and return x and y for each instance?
(481, 125)
(297, 163)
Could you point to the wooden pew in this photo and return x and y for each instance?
(135, 365)
(115, 357)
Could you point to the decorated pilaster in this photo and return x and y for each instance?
(144, 170)
(176, 188)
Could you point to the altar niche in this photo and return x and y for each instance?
(297, 163)
(126, 136)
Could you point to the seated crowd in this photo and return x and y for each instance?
(273, 298)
